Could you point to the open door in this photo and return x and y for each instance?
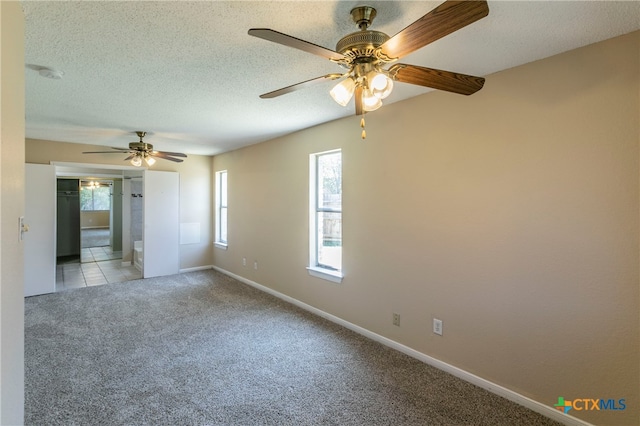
(161, 236)
(40, 241)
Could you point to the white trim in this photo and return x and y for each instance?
(325, 274)
(316, 270)
(218, 205)
(91, 169)
(196, 268)
(95, 166)
(496, 389)
(312, 211)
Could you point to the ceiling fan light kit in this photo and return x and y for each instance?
(375, 82)
(365, 53)
(139, 151)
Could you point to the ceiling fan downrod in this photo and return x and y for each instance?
(363, 16)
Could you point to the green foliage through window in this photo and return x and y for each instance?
(328, 211)
(95, 198)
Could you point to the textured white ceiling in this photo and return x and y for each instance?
(190, 75)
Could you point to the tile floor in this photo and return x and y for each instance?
(98, 254)
(97, 266)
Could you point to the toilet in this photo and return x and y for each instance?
(137, 255)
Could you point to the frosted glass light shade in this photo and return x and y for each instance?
(381, 85)
(370, 102)
(343, 91)
(150, 160)
(136, 161)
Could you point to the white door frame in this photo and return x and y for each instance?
(161, 235)
(41, 257)
(40, 241)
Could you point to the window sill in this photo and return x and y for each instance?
(222, 246)
(326, 274)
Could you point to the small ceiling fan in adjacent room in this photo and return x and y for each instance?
(365, 53)
(141, 150)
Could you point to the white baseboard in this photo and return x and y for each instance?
(197, 268)
(529, 403)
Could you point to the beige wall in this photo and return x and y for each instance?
(195, 188)
(11, 208)
(512, 215)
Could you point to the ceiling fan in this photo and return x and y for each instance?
(365, 53)
(141, 150)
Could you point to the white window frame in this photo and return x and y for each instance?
(314, 268)
(221, 204)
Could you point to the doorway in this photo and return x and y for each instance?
(92, 227)
(158, 248)
(99, 240)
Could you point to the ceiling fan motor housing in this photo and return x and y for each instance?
(141, 146)
(361, 45)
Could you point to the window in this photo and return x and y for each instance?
(325, 215)
(95, 196)
(221, 209)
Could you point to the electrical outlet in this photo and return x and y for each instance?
(437, 326)
(396, 319)
(244, 261)
(255, 265)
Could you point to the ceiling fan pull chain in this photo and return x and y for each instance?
(364, 133)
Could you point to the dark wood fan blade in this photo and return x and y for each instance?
(287, 40)
(104, 152)
(165, 157)
(117, 151)
(173, 154)
(450, 16)
(358, 97)
(299, 86)
(436, 79)
(129, 157)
